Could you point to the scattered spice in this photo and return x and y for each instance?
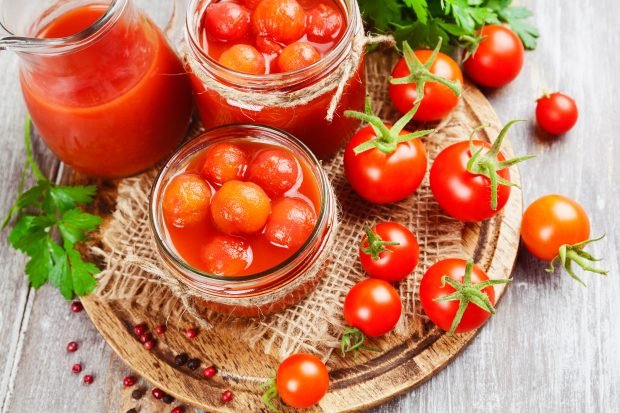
(137, 394)
(227, 396)
(160, 329)
(149, 345)
(76, 368)
(132, 410)
(168, 399)
(77, 307)
(180, 359)
(178, 409)
(146, 337)
(89, 379)
(191, 333)
(139, 330)
(158, 393)
(129, 381)
(209, 372)
(193, 364)
(72, 347)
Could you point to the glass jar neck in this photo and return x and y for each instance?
(281, 82)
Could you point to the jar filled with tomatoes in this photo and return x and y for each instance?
(243, 216)
(279, 63)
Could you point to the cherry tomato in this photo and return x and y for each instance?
(291, 223)
(251, 4)
(438, 99)
(383, 178)
(498, 58)
(556, 113)
(224, 162)
(296, 56)
(227, 21)
(244, 58)
(552, 221)
(275, 170)
(392, 253)
(461, 194)
(324, 24)
(226, 255)
(266, 45)
(373, 306)
(186, 200)
(302, 380)
(443, 313)
(282, 20)
(240, 208)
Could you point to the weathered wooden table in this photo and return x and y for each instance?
(553, 346)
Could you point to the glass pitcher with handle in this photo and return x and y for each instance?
(103, 86)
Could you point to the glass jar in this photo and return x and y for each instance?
(306, 120)
(103, 87)
(268, 291)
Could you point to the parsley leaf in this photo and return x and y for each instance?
(516, 18)
(42, 209)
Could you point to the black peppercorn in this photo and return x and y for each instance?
(180, 359)
(193, 364)
(132, 410)
(168, 399)
(137, 394)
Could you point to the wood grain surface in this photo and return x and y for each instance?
(552, 347)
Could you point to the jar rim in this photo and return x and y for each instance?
(210, 137)
(273, 80)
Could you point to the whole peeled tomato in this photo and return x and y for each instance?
(324, 23)
(438, 98)
(373, 306)
(291, 223)
(282, 20)
(460, 193)
(380, 177)
(552, 221)
(302, 380)
(274, 170)
(498, 58)
(243, 58)
(556, 113)
(227, 21)
(186, 200)
(240, 208)
(443, 313)
(389, 251)
(225, 162)
(296, 56)
(226, 255)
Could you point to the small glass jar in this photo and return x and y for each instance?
(268, 291)
(307, 120)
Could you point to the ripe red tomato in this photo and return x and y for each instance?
(282, 20)
(444, 313)
(296, 56)
(186, 200)
(556, 113)
(441, 87)
(275, 170)
(227, 21)
(498, 58)
(324, 24)
(373, 306)
(224, 162)
(291, 223)
(226, 255)
(392, 253)
(240, 208)
(302, 380)
(243, 58)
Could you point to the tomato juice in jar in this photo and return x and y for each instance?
(106, 91)
(244, 215)
(241, 55)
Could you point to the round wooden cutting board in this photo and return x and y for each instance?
(356, 383)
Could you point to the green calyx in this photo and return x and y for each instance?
(376, 245)
(353, 341)
(270, 394)
(470, 43)
(387, 139)
(575, 253)
(420, 73)
(466, 293)
(487, 163)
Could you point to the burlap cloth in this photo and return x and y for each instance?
(315, 324)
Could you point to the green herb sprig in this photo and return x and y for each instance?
(47, 210)
(423, 22)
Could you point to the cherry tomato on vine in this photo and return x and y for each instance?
(556, 113)
(389, 251)
(457, 295)
(555, 227)
(471, 180)
(372, 306)
(429, 75)
(495, 57)
(301, 381)
(385, 163)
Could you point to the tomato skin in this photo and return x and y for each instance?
(227, 21)
(373, 306)
(282, 20)
(324, 24)
(224, 162)
(226, 255)
(442, 313)
(240, 208)
(552, 221)
(302, 380)
(186, 200)
(556, 113)
(243, 58)
(384, 178)
(498, 59)
(438, 99)
(397, 263)
(461, 194)
(275, 170)
(291, 223)
(296, 56)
